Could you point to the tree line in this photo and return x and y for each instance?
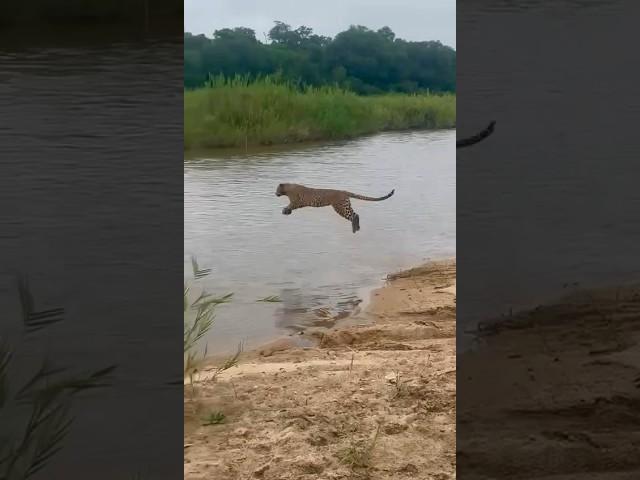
(359, 59)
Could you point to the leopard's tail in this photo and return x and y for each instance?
(466, 142)
(370, 199)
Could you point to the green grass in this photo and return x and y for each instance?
(214, 418)
(238, 112)
(359, 454)
(270, 299)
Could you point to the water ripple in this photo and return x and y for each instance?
(234, 225)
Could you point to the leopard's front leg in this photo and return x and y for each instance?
(288, 209)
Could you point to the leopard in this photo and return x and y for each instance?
(478, 137)
(301, 196)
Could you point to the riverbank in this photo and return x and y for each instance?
(372, 400)
(242, 114)
(554, 392)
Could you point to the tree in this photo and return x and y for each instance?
(281, 33)
(387, 33)
(361, 59)
(235, 34)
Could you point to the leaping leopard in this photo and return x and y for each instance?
(301, 196)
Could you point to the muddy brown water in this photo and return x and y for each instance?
(539, 219)
(91, 145)
(311, 260)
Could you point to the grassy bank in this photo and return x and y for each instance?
(238, 113)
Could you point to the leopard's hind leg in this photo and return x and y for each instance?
(345, 210)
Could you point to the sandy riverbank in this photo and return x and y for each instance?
(554, 393)
(375, 400)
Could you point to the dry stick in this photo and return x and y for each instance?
(398, 386)
(235, 392)
(352, 358)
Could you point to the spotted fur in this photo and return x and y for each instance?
(301, 196)
(467, 142)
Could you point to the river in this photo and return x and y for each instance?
(91, 146)
(311, 259)
(547, 204)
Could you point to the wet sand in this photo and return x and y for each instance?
(554, 393)
(375, 399)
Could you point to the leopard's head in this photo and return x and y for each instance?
(281, 190)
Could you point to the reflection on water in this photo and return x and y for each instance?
(233, 224)
(572, 216)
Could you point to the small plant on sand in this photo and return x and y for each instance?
(359, 454)
(400, 386)
(214, 418)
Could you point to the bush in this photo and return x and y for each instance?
(239, 112)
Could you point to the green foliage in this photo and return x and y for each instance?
(271, 299)
(198, 320)
(199, 314)
(359, 59)
(359, 454)
(214, 418)
(28, 442)
(241, 112)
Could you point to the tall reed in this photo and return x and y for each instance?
(36, 415)
(199, 313)
(243, 112)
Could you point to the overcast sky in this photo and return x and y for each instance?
(409, 19)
